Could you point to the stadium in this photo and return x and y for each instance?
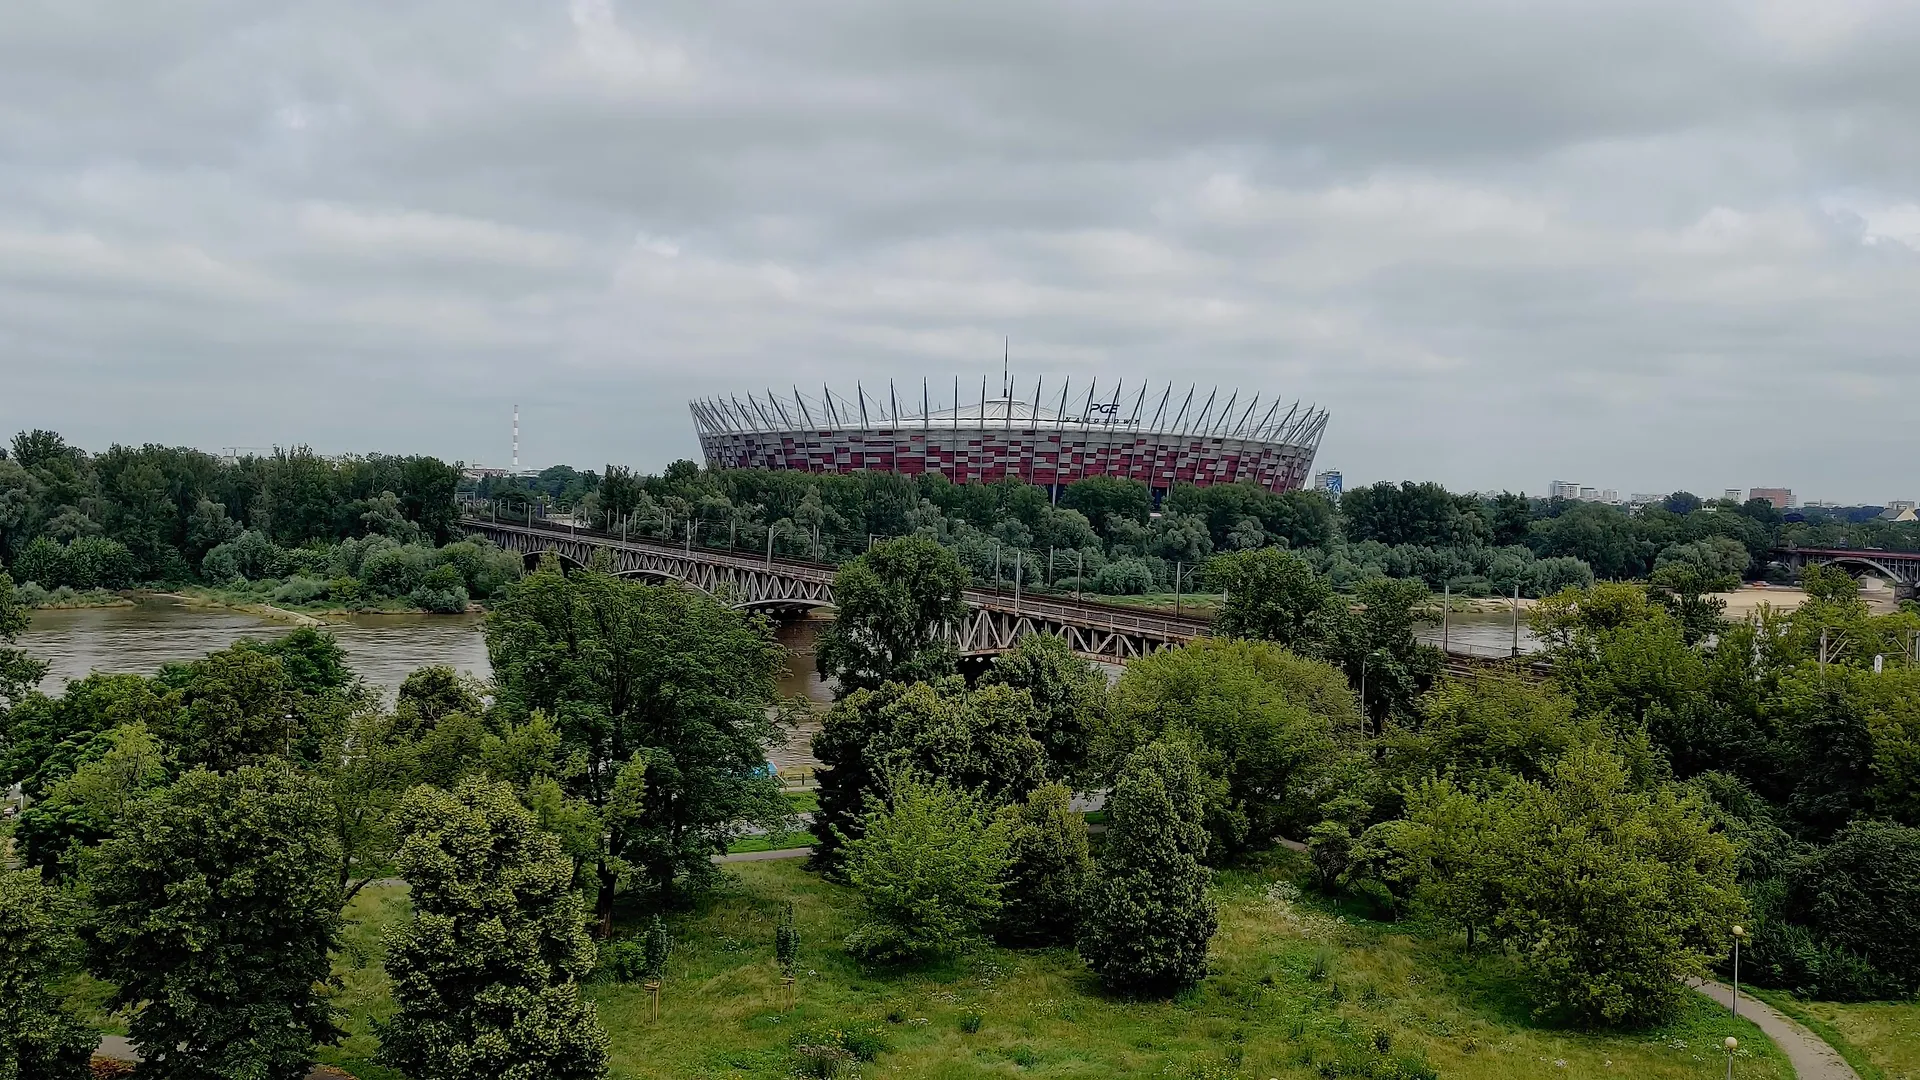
(1164, 438)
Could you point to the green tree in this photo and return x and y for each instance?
(657, 678)
(486, 973)
(1510, 518)
(428, 694)
(1424, 514)
(19, 673)
(112, 769)
(1610, 894)
(978, 740)
(235, 707)
(1068, 695)
(1267, 728)
(1148, 917)
(1277, 596)
(214, 909)
(1861, 894)
(894, 603)
(928, 871)
(39, 1038)
(1047, 867)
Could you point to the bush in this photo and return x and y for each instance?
(440, 591)
(622, 960)
(1148, 917)
(300, 590)
(928, 871)
(394, 570)
(247, 557)
(1046, 871)
(1860, 897)
(1124, 577)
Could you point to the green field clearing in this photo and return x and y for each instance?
(1874, 1035)
(1294, 988)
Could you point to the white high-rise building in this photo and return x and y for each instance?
(1563, 489)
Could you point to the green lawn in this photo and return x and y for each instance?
(804, 802)
(1296, 993)
(1881, 1039)
(799, 838)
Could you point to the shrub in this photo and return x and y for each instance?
(970, 1021)
(300, 590)
(928, 871)
(786, 942)
(655, 947)
(1148, 917)
(394, 570)
(621, 960)
(1046, 869)
(1860, 896)
(1124, 577)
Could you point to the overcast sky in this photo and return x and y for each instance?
(1641, 245)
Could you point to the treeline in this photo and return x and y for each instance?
(291, 527)
(1105, 534)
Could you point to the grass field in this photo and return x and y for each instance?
(1880, 1039)
(1296, 993)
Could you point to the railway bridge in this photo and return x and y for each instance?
(995, 621)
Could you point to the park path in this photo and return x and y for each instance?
(1812, 1058)
(118, 1048)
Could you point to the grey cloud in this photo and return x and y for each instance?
(1637, 244)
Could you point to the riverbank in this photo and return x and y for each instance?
(314, 614)
(68, 599)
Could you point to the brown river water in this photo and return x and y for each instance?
(385, 648)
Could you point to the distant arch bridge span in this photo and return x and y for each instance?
(1902, 568)
(995, 621)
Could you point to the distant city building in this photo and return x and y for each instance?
(1588, 493)
(1609, 495)
(1330, 482)
(1732, 495)
(1646, 498)
(1563, 489)
(1781, 498)
(1820, 504)
(1899, 510)
(1901, 504)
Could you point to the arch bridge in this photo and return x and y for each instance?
(1900, 567)
(996, 619)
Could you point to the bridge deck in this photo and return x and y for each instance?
(1050, 608)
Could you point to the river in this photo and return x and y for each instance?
(383, 649)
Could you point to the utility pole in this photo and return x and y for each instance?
(769, 545)
(1176, 590)
(1016, 581)
(996, 566)
(1516, 620)
(1446, 617)
(1079, 574)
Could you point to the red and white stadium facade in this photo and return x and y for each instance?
(1161, 440)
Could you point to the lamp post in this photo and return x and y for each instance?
(1739, 932)
(1731, 1045)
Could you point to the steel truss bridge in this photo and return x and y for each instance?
(996, 619)
(1902, 568)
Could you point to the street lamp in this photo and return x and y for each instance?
(1739, 932)
(1731, 1045)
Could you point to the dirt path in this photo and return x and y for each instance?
(1812, 1058)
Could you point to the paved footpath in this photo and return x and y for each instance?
(1812, 1058)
